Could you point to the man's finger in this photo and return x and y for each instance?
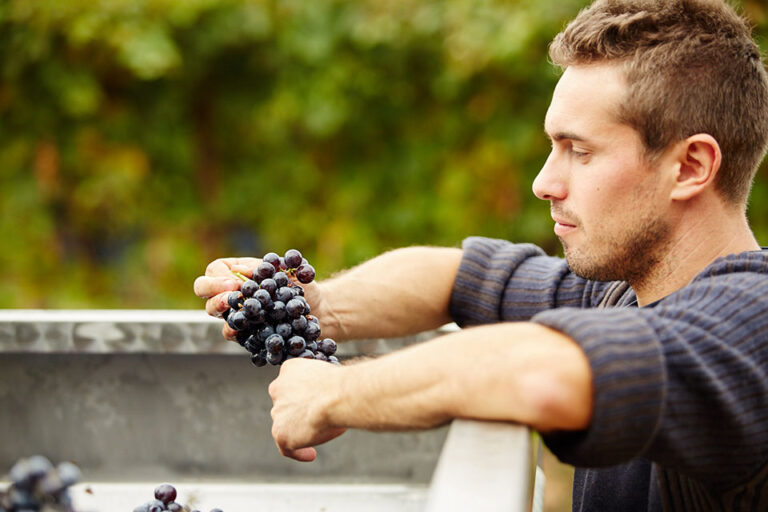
(228, 333)
(216, 305)
(208, 286)
(300, 454)
(225, 266)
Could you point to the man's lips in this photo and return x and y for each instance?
(563, 226)
(563, 222)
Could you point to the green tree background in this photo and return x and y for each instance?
(140, 139)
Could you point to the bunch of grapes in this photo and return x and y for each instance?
(271, 316)
(36, 485)
(165, 499)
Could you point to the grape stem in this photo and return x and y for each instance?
(240, 276)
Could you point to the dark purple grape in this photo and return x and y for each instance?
(320, 356)
(257, 320)
(277, 313)
(216, 510)
(296, 345)
(307, 354)
(166, 493)
(156, 508)
(49, 484)
(298, 290)
(284, 293)
(282, 279)
(235, 299)
(225, 313)
(251, 307)
(270, 285)
(253, 344)
(142, 508)
(333, 359)
(298, 324)
(174, 507)
(68, 473)
(305, 273)
(274, 358)
(237, 320)
(259, 359)
(313, 319)
(241, 336)
(265, 270)
(312, 345)
(327, 346)
(312, 331)
(265, 332)
(284, 329)
(273, 259)
(263, 297)
(22, 499)
(249, 288)
(295, 308)
(283, 266)
(38, 466)
(274, 343)
(307, 309)
(292, 258)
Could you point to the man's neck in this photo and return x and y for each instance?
(699, 240)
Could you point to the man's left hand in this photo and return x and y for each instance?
(301, 395)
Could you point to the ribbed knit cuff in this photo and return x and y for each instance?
(628, 382)
(486, 267)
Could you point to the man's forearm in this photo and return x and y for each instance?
(517, 372)
(401, 292)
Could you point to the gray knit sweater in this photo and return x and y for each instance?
(680, 418)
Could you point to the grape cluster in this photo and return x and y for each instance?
(271, 316)
(165, 500)
(38, 485)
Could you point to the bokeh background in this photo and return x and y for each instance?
(140, 139)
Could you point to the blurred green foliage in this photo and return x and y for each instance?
(139, 139)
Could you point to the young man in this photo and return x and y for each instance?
(643, 357)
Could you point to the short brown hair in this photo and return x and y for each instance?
(691, 67)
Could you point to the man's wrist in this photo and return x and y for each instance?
(329, 320)
(334, 398)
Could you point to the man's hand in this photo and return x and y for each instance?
(301, 395)
(218, 281)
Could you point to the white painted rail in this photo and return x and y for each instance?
(484, 466)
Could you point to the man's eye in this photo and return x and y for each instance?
(578, 154)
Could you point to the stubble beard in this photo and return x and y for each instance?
(634, 256)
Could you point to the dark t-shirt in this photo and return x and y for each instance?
(680, 419)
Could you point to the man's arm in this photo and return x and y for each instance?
(401, 292)
(519, 372)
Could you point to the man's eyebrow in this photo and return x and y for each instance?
(558, 136)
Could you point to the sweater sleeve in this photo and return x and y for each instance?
(501, 281)
(682, 382)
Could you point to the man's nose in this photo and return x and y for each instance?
(550, 183)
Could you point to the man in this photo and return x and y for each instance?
(643, 358)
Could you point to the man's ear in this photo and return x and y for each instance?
(698, 159)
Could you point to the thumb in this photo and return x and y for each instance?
(302, 454)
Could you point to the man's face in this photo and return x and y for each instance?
(606, 200)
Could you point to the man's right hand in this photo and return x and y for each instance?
(219, 280)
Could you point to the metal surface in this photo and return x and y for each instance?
(136, 398)
(101, 497)
(483, 466)
(144, 331)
